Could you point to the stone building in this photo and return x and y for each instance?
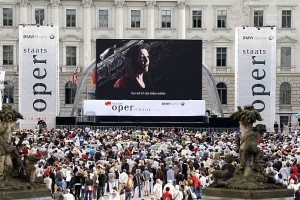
(81, 22)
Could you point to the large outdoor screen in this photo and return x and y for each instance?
(148, 69)
(148, 78)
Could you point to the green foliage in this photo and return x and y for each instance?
(7, 114)
(246, 116)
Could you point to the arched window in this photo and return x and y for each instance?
(285, 94)
(8, 96)
(222, 90)
(70, 91)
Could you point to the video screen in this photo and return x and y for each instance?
(148, 69)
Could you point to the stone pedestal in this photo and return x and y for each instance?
(229, 194)
(34, 194)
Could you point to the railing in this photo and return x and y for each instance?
(142, 128)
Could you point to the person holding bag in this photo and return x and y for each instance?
(89, 188)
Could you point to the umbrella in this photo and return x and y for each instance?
(298, 115)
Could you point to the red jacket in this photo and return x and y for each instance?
(167, 195)
(195, 181)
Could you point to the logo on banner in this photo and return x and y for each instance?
(119, 106)
(108, 103)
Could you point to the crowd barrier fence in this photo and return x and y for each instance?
(141, 128)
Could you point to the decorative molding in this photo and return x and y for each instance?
(181, 4)
(151, 4)
(221, 39)
(24, 2)
(87, 3)
(286, 39)
(119, 3)
(55, 2)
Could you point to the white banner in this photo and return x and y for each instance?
(2, 79)
(144, 107)
(256, 71)
(38, 79)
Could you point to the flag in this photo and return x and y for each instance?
(74, 76)
(93, 79)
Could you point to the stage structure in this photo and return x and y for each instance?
(174, 82)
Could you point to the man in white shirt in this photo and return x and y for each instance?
(123, 178)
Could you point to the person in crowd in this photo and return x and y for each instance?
(89, 187)
(157, 189)
(58, 195)
(114, 194)
(167, 194)
(68, 195)
(101, 186)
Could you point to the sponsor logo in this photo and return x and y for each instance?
(250, 37)
(182, 103)
(28, 36)
(169, 103)
(52, 36)
(107, 103)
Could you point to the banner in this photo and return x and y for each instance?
(255, 82)
(39, 77)
(2, 79)
(144, 107)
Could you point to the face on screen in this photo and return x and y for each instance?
(144, 60)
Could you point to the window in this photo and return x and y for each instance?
(71, 17)
(166, 18)
(221, 56)
(286, 18)
(7, 16)
(71, 56)
(39, 16)
(286, 57)
(135, 19)
(103, 18)
(222, 91)
(221, 18)
(70, 90)
(285, 94)
(259, 18)
(197, 19)
(285, 120)
(8, 56)
(8, 96)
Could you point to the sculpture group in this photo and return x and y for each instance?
(11, 164)
(250, 173)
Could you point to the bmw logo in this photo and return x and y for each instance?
(52, 36)
(182, 103)
(271, 37)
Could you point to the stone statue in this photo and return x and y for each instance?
(226, 172)
(8, 117)
(250, 174)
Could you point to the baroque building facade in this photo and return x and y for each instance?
(81, 22)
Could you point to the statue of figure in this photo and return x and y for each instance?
(226, 172)
(250, 174)
(30, 168)
(8, 117)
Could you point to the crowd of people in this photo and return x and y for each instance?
(157, 164)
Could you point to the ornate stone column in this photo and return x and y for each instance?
(23, 11)
(181, 18)
(87, 32)
(55, 12)
(150, 20)
(119, 18)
